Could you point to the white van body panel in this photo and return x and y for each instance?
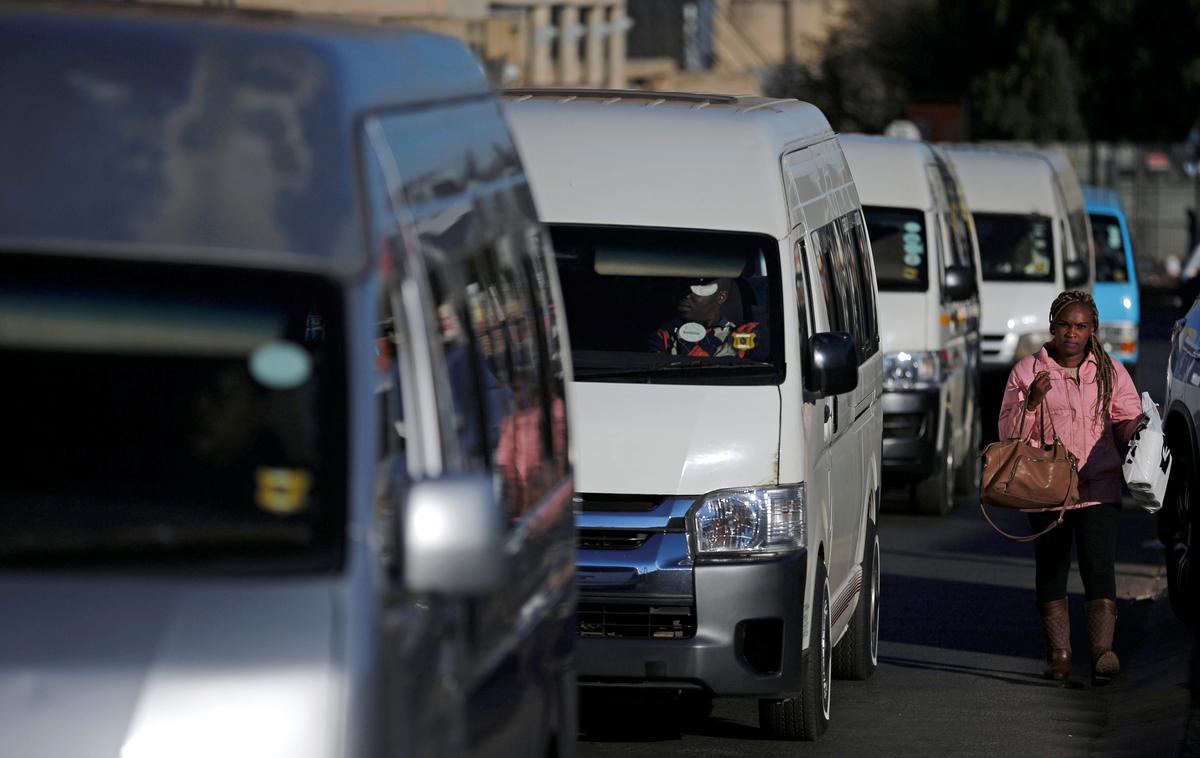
(675, 439)
(735, 187)
(162, 668)
(904, 322)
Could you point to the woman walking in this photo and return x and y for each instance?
(1072, 388)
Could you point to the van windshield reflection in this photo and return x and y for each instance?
(168, 416)
(1015, 247)
(669, 305)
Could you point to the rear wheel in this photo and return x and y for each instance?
(857, 655)
(805, 715)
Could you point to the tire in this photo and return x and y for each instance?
(805, 715)
(857, 655)
(1175, 531)
(934, 495)
(966, 477)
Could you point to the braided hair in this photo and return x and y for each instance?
(1106, 375)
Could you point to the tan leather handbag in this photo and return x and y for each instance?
(1027, 477)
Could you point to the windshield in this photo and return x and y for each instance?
(1110, 249)
(1015, 247)
(168, 415)
(671, 306)
(898, 244)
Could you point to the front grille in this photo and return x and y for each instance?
(610, 539)
(902, 425)
(590, 503)
(993, 337)
(640, 621)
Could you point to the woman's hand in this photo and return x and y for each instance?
(1038, 390)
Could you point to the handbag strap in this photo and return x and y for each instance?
(1041, 415)
(1062, 512)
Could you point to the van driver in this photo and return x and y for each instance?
(702, 331)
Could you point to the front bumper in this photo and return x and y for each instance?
(746, 643)
(910, 433)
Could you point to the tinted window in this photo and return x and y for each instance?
(898, 243)
(503, 319)
(860, 259)
(1015, 247)
(171, 415)
(1110, 249)
(674, 305)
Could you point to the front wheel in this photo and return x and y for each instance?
(966, 478)
(805, 715)
(857, 654)
(934, 496)
(1175, 532)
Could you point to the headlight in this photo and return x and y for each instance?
(916, 370)
(1030, 343)
(753, 521)
(1118, 337)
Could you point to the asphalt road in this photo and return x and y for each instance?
(961, 655)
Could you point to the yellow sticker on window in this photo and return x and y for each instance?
(743, 340)
(282, 491)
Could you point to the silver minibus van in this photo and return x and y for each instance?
(284, 390)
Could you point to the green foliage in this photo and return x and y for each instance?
(1028, 70)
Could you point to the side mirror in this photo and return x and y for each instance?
(833, 363)
(1075, 274)
(960, 283)
(453, 537)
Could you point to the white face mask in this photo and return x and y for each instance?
(704, 290)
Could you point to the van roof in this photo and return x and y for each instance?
(889, 171)
(659, 158)
(999, 180)
(1103, 200)
(230, 135)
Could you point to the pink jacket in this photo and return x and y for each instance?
(1070, 409)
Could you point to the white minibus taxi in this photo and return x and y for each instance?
(720, 297)
(292, 475)
(1030, 245)
(926, 263)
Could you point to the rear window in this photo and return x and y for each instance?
(899, 247)
(166, 415)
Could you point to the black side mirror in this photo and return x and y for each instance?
(960, 283)
(833, 363)
(1075, 274)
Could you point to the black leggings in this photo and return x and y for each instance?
(1094, 529)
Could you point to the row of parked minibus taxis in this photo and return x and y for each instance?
(362, 411)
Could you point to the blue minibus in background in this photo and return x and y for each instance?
(1116, 288)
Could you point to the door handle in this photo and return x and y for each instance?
(828, 413)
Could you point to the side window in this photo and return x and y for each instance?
(802, 307)
(836, 303)
(864, 270)
(503, 319)
(858, 282)
(536, 255)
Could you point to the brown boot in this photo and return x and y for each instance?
(1056, 623)
(1102, 620)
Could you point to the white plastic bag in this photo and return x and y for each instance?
(1148, 463)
